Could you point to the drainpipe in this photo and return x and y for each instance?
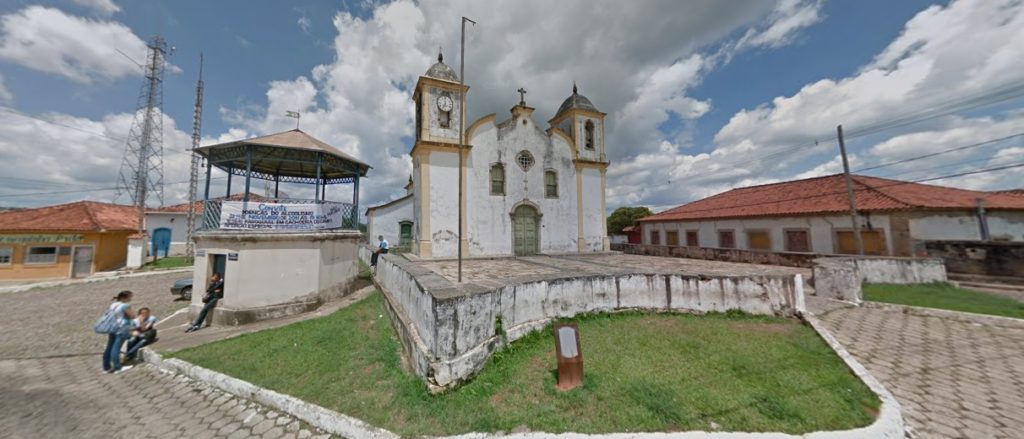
(983, 220)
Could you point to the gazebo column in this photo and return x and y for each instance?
(323, 192)
(248, 172)
(316, 190)
(228, 195)
(355, 202)
(277, 185)
(209, 167)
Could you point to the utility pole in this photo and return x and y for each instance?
(462, 133)
(142, 166)
(193, 180)
(849, 194)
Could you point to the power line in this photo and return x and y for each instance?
(861, 189)
(92, 189)
(18, 113)
(1009, 92)
(959, 148)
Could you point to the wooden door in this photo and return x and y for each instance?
(673, 238)
(81, 261)
(874, 242)
(524, 230)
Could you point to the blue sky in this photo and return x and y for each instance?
(701, 96)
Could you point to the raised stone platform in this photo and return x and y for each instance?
(448, 330)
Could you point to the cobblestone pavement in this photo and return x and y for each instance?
(480, 270)
(954, 378)
(58, 320)
(51, 385)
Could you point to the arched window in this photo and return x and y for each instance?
(497, 179)
(588, 135)
(550, 184)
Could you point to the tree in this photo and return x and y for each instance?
(625, 216)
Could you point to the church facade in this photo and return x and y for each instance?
(527, 189)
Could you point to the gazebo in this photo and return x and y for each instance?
(278, 256)
(291, 157)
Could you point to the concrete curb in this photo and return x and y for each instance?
(319, 417)
(60, 283)
(969, 317)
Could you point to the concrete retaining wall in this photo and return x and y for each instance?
(448, 331)
(788, 259)
(841, 278)
(977, 257)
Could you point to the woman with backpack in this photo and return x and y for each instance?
(115, 323)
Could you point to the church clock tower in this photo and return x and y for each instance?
(438, 109)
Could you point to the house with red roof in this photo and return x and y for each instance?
(812, 216)
(67, 240)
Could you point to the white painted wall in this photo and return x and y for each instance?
(1006, 225)
(593, 209)
(444, 203)
(822, 230)
(489, 216)
(177, 222)
(434, 121)
(385, 221)
(950, 227)
(276, 271)
(598, 150)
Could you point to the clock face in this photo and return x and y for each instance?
(444, 103)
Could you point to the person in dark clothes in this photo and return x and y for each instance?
(214, 293)
(143, 333)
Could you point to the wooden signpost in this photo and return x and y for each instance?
(569, 356)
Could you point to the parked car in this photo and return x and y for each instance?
(183, 288)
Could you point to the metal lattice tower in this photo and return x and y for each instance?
(193, 180)
(142, 167)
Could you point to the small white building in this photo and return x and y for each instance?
(812, 216)
(173, 222)
(527, 189)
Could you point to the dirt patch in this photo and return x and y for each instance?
(764, 328)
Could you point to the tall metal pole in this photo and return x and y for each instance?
(849, 193)
(193, 181)
(462, 132)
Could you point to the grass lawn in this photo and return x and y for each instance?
(945, 296)
(643, 372)
(167, 263)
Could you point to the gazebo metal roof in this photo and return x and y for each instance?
(289, 156)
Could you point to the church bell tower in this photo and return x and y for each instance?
(438, 109)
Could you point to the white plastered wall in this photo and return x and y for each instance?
(444, 203)
(489, 222)
(385, 221)
(176, 222)
(822, 230)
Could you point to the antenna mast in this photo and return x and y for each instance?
(142, 166)
(193, 179)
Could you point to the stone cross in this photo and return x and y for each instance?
(522, 96)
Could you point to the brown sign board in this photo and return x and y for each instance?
(569, 356)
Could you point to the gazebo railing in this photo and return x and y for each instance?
(343, 216)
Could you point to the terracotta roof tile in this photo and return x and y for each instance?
(81, 216)
(827, 195)
(183, 207)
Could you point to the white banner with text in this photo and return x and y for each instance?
(252, 215)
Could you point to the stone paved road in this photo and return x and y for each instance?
(954, 378)
(51, 385)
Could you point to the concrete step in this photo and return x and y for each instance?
(991, 286)
(987, 279)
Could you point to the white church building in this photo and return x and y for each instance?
(528, 190)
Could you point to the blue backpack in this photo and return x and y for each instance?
(110, 322)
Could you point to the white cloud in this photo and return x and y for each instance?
(81, 49)
(944, 55)
(102, 7)
(57, 152)
(6, 97)
(304, 23)
(361, 101)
